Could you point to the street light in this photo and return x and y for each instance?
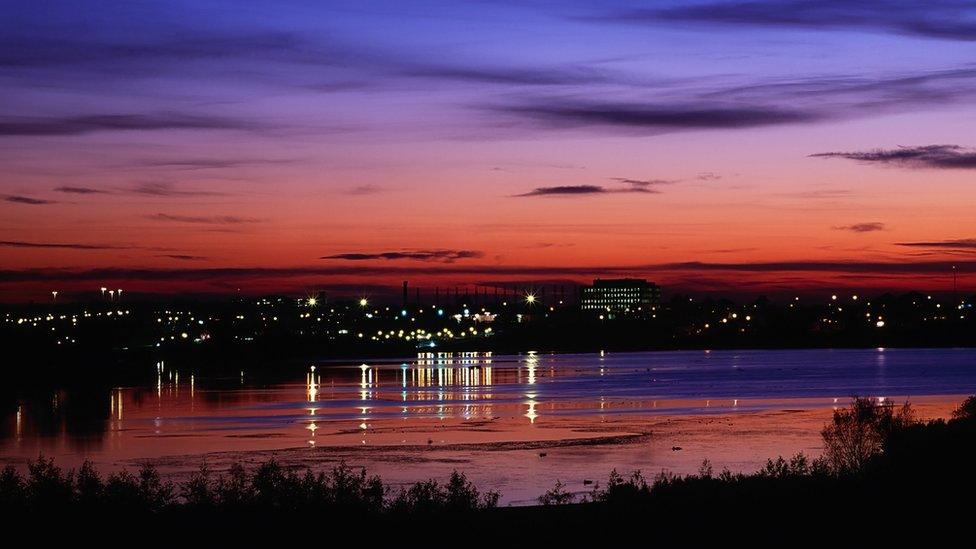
(54, 294)
(530, 299)
(104, 289)
(363, 302)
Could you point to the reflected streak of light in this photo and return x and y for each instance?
(531, 413)
(530, 363)
(312, 427)
(312, 389)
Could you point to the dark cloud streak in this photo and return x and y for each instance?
(167, 190)
(956, 244)
(635, 186)
(654, 116)
(79, 190)
(440, 256)
(928, 156)
(867, 227)
(81, 125)
(203, 220)
(18, 199)
(939, 19)
(58, 245)
(865, 268)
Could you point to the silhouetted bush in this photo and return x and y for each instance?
(857, 434)
(557, 495)
(966, 410)
(458, 495)
(13, 493)
(620, 491)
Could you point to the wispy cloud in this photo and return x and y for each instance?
(821, 194)
(632, 186)
(928, 156)
(176, 47)
(515, 76)
(941, 19)
(565, 190)
(643, 183)
(204, 219)
(653, 117)
(167, 190)
(728, 103)
(58, 245)
(11, 126)
(18, 199)
(206, 163)
(185, 257)
(440, 256)
(79, 190)
(363, 190)
(868, 227)
(954, 244)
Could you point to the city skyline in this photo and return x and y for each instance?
(744, 147)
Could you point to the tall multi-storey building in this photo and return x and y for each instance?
(621, 295)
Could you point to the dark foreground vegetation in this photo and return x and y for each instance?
(883, 474)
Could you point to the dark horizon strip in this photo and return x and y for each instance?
(218, 273)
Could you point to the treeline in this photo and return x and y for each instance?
(269, 486)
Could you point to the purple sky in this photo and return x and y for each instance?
(712, 146)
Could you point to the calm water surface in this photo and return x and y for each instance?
(183, 413)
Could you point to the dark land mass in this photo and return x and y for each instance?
(97, 343)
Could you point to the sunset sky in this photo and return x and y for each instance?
(719, 147)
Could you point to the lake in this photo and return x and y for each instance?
(512, 422)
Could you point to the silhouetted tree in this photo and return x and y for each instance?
(857, 434)
(966, 410)
(557, 495)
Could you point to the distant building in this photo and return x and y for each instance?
(621, 295)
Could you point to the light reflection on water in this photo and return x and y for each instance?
(185, 413)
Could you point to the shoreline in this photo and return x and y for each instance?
(522, 465)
